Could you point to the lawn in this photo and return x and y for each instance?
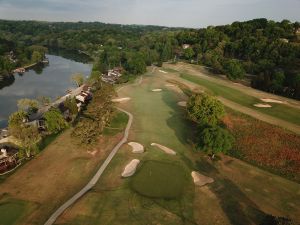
(12, 210)
(117, 124)
(157, 179)
(278, 110)
(241, 193)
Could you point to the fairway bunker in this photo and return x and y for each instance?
(270, 100)
(182, 104)
(170, 85)
(201, 180)
(157, 90)
(130, 168)
(136, 147)
(262, 105)
(159, 180)
(165, 149)
(163, 71)
(118, 100)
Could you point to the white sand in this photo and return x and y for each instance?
(269, 100)
(165, 149)
(120, 100)
(157, 90)
(262, 105)
(162, 71)
(136, 147)
(183, 104)
(93, 153)
(170, 85)
(130, 168)
(201, 180)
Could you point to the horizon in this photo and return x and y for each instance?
(171, 13)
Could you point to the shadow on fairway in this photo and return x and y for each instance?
(183, 128)
(239, 209)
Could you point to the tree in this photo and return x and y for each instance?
(277, 81)
(78, 78)
(54, 120)
(204, 109)
(136, 65)
(28, 135)
(36, 57)
(234, 69)
(43, 100)
(71, 105)
(16, 121)
(28, 105)
(188, 53)
(214, 140)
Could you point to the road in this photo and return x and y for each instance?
(96, 177)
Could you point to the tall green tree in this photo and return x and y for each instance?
(214, 140)
(54, 120)
(205, 109)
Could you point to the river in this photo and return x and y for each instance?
(52, 81)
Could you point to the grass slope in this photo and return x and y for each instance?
(278, 110)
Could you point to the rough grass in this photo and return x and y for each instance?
(159, 180)
(265, 145)
(278, 110)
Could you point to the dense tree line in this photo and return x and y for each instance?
(267, 50)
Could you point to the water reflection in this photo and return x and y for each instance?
(52, 81)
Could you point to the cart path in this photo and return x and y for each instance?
(96, 177)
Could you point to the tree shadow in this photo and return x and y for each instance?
(239, 209)
(184, 129)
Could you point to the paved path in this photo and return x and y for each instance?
(96, 177)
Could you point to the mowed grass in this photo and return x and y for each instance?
(12, 210)
(157, 179)
(280, 111)
(117, 124)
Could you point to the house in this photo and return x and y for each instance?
(39, 123)
(186, 46)
(8, 158)
(112, 75)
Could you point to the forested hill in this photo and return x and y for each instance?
(268, 50)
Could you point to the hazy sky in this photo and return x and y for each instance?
(187, 13)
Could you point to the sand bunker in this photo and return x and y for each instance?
(157, 90)
(93, 153)
(162, 71)
(183, 104)
(136, 147)
(130, 168)
(120, 100)
(201, 180)
(170, 85)
(165, 149)
(269, 100)
(263, 105)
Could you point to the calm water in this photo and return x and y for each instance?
(51, 81)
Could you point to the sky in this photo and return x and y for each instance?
(175, 13)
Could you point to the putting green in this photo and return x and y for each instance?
(159, 180)
(11, 212)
